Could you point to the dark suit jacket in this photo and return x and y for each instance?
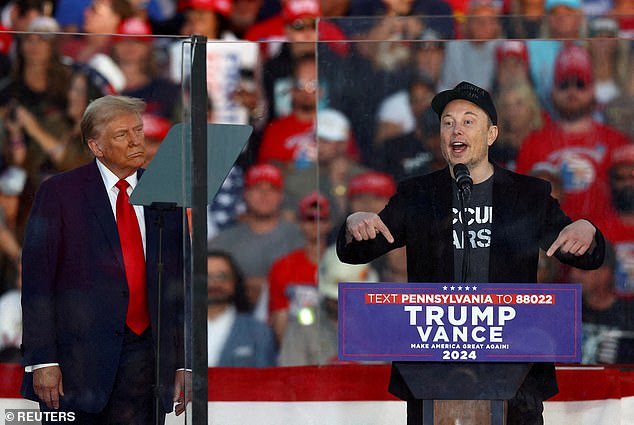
(75, 295)
(525, 218)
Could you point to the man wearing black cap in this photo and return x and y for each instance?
(513, 217)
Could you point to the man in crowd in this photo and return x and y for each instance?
(563, 21)
(314, 339)
(607, 317)
(261, 235)
(424, 216)
(293, 277)
(415, 153)
(235, 337)
(289, 141)
(619, 230)
(573, 142)
(474, 56)
(333, 169)
(90, 301)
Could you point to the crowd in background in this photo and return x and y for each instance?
(337, 125)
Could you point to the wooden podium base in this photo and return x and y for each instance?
(463, 412)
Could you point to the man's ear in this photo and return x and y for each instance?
(492, 134)
(95, 148)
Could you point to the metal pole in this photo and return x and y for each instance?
(199, 228)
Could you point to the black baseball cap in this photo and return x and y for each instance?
(469, 92)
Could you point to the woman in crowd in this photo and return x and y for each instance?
(67, 150)
(519, 114)
(134, 53)
(38, 85)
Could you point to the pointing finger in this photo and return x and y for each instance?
(554, 247)
(381, 227)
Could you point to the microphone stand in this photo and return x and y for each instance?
(463, 196)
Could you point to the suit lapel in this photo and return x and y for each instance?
(97, 200)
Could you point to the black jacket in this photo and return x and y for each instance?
(525, 218)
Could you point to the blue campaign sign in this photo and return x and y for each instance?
(440, 322)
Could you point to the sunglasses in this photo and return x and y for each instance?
(568, 84)
(302, 24)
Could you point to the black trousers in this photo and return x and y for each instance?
(132, 398)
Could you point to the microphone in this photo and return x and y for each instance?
(463, 179)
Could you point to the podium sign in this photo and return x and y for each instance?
(452, 322)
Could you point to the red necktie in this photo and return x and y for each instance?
(138, 317)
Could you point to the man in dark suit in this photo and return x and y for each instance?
(90, 286)
(511, 217)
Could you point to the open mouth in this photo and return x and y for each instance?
(458, 147)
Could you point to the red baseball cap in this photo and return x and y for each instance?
(221, 6)
(373, 183)
(134, 26)
(296, 9)
(314, 205)
(516, 48)
(155, 126)
(573, 62)
(263, 173)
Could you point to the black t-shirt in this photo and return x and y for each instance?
(479, 222)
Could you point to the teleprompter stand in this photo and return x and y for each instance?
(420, 384)
(173, 179)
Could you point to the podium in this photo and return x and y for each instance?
(462, 347)
(444, 391)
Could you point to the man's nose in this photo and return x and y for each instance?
(135, 138)
(457, 129)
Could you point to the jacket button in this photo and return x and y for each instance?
(118, 333)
